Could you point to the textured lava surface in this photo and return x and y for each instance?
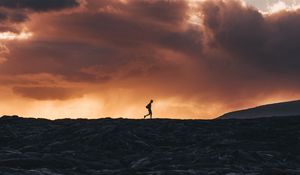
(267, 146)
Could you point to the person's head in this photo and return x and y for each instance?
(151, 101)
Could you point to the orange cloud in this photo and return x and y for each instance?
(47, 93)
(116, 55)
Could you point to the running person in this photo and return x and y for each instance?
(149, 109)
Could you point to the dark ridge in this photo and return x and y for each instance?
(291, 108)
(31, 146)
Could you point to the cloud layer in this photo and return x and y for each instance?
(196, 59)
(37, 5)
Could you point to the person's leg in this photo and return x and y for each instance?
(146, 115)
(149, 113)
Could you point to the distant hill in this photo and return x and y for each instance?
(291, 108)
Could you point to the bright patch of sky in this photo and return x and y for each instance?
(274, 5)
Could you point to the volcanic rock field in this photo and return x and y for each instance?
(265, 146)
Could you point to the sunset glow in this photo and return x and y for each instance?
(14, 36)
(194, 58)
(282, 6)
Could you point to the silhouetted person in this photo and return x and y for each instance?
(149, 109)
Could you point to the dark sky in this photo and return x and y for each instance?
(194, 58)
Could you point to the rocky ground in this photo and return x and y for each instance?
(269, 146)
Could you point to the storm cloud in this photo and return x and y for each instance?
(267, 42)
(38, 5)
(14, 13)
(199, 58)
